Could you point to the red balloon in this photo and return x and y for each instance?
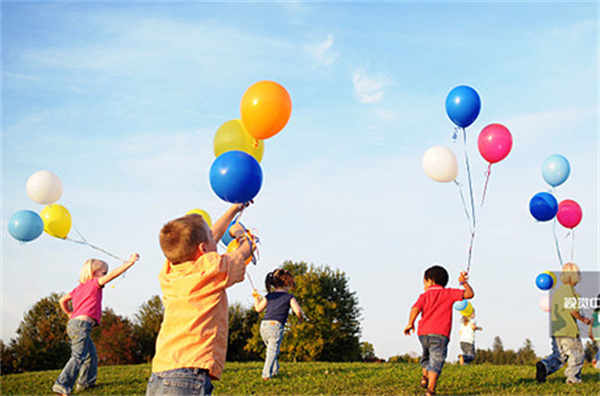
(494, 142)
(569, 213)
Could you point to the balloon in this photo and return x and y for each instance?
(460, 305)
(468, 311)
(555, 170)
(227, 238)
(265, 108)
(44, 187)
(236, 177)
(544, 281)
(234, 245)
(440, 164)
(25, 225)
(543, 206)
(463, 105)
(544, 302)
(202, 213)
(57, 220)
(494, 142)
(233, 135)
(569, 213)
(552, 276)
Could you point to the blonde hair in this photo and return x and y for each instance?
(89, 267)
(570, 274)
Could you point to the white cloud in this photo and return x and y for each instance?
(322, 51)
(368, 89)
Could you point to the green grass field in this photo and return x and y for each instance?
(330, 379)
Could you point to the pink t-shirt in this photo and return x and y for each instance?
(87, 300)
(436, 310)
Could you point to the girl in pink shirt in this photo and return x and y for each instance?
(83, 305)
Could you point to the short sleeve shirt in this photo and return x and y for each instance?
(564, 301)
(436, 310)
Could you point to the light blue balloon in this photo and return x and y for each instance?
(25, 225)
(460, 305)
(555, 170)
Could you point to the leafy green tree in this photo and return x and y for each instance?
(114, 340)
(42, 342)
(367, 352)
(8, 357)
(146, 326)
(526, 354)
(332, 329)
(241, 322)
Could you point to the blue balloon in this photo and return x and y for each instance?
(460, 305)
(463, 105)
(25, 225)
(236, 177)
(543, 206)
(544, 281)
(227, 238)
(555, 170)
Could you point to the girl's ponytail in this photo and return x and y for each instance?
(269, 281)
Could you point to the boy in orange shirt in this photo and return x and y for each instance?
(192, 342)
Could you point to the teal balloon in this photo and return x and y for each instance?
(556, 170)
(25, 225)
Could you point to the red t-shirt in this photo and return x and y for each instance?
(436, 310)
(87, 300)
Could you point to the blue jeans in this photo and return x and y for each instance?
(566, 350)
(435, 350)
(83, 361)
(271, 332)
(468, 351)
(183, 381)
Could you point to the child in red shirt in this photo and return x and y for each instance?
(435, 307)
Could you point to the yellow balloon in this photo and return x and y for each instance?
(203, 214)
(57, 220)
(233, 135)
(234, 245)
(468, 310)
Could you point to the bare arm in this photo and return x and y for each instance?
(64, 304)
(118, 271)
(221, 225)
(414, 312)
(464, 281)
(296, 309)
(578, 316)
(260, 302)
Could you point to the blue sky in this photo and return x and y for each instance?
(122, 100)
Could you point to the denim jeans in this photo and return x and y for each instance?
(435, 350)
(83, 361)
(566, 350)
(468, 351)
(183, 381)
(271, 332)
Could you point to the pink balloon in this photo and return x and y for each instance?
(494, 142)
(544, 302)
(569, 213)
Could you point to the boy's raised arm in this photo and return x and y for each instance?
(221, 225)
(463, 279)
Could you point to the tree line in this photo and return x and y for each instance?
(331, 332)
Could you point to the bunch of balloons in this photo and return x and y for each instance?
(43, 187)
(464, 307)
(543, 206)
(463, 105)
(236, 175)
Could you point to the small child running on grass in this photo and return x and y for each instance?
(435, 307)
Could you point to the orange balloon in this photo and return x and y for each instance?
(234, 245)
(266, 108)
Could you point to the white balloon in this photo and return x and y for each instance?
(440, 164)
(44, 187)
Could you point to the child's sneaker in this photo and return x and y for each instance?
(540, 372)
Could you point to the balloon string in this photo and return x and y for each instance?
(469, 178)
(572, 244)
(488, 172)
(470, 255)
(83, 241)
(250, 279)
(560, 260)
(464, 203)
